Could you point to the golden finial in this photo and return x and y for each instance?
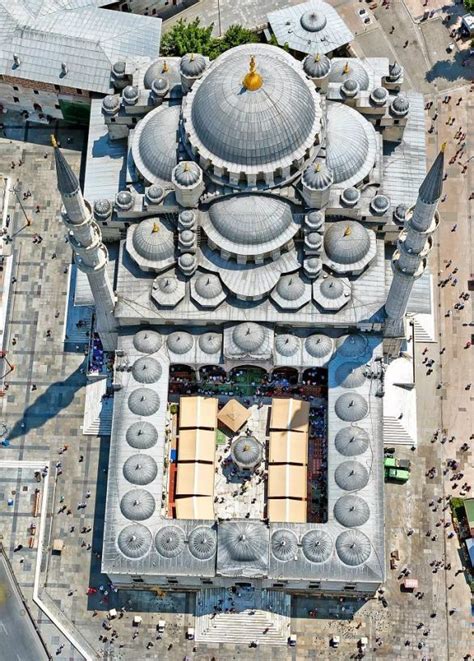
(156, 228)
(347, 231)
(317, 57)
(253, 80)
(191, 57)
(165, 67)
(317, 167)
(54, 142)
(346, 68)
(185, 166)
(443, 146)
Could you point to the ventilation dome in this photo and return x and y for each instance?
(137, 505)
(134, 541)
(351, 511)
(140, 469)
(146, 370)
(317, 545)
(284, 545)
(169, 541)
(351, 476)
(353, 547)
(141, 435)
(147, 341)
(202, 543)
(144, 401)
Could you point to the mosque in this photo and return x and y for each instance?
(253, 214)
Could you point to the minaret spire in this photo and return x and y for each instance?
(90, 254)
(432, 186)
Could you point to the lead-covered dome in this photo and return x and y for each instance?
(316, 66)
(170, 541)
(284, 545)
(137, 505)
(313, 21)
(202, 542)
(246, 452)
(275, 108)
(141, 435)
(351, 511)
(352, 68)
(140, 469)
(144, 401)
(351, 407)
(351, 441)
(346, 242)
(154, 146)
(353, 547)
(134, 541)
(350, 375)
(153, 240)
(287, 345)
(146, 370)
(249, 336)
(319, 346)
(351, 475)
(147, 341)
(180, 342)
(317, 545)
(210, 342)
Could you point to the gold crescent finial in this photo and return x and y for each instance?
(186, 166)
(165, 67)
(347, 231)
(317, 57)
(346, 68)
(54, 142)
(317, 167)
(156, 228)
(443, 146)
(253, 80)
(191, 57)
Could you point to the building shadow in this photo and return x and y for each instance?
(451, 70)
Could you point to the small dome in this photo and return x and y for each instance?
(192, 65)
(346, 242)
(146, 370)
(316, 66)
(400, 213)
(312, 21)
(186, 238)
(351, 476)
(111, 103)
(353, 547)
(350, 87)
(187, 173)
(287, 345)
(317, 176)
(137, 505)
(246, 452)
(341, 70)
(331, 288)
(313, 240)
(180, 342)
(153, 240)
(134, 541)
(284, 545)
(352, 346)
(379, 95)
(208, 285)
(124, 200)
(400, 105)
(160, 87)
(210, 342)
(118, 68)
(290, 287)
(350, 196)
(317, 545)
(318, 346)
(312, 266)
(187, 260)
(187, 218)
(154, 193)
(314, 220)
(147, 341)
(144, 401)
(141, 435)
(140, 469)
(380, 204)
(244, 541)
(170, 541)
(351, 441)
(350, 375)
(351, 407)
(249, 336)
(102, 208)
(154, 144)
(351, 511)
(130, 94)
(394, 70)
(202, 542)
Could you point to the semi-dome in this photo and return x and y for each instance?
(351, 476)
(144, 401)
(248, 336)
(140, 469)
(331, 287)
(153, 240)
(202, 542)
(192, 65)
(317, 545)
(243, 541)
(154, 146)
(180, 342)
(352, 346)
(350, 375)
(134, 541)
(147, 341)
(316, 66)
(250, 224)
(353, 547)
(341, 70)
(290, 287)
(208, 285)
(351, 441)
(313, 21)
(246, 452)
(146, 370)
(319, 346)
(170, 541)
(287, 345)
(351, 144)
(157, 69)
(137, 505)
(351, 407)
(210, 342)
(284, 545)
(346, 242)
(351, 511)
(141, 435)
(271, 103)
(317, 176)
(187, 173)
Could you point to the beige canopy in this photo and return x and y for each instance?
(288, 447)
(195, 507)
(198, 412)
(195, 479)
(197, 445)
(285, 510)
(292, 414)
(286, 481)
(233, 415)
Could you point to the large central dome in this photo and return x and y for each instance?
(252, 114)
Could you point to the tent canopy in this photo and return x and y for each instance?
(286, 481)
(233, 415)
(195, 507)
(285, 510)
(198, 412)
(288, 447)
(197, 445)
(195, 479)
(290, 414)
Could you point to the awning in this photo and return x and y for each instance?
(198, 412)
(195, 507)
(285, 510)
(195, 479)
(288, 447)
(197, 445)
(291, 414)
(233, 415)
(286, 481)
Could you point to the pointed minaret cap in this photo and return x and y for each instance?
(68, 183)
(432, 186)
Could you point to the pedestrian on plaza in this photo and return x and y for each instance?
(405, 44)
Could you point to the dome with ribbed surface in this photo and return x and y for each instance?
(350, 375)
(351, 511)
(341, 70)
(352, 346)
(202, 542)
(102, 208)
(124, 200)
(210, 342)
(180, 342)
(146, 370)
(380, 204)
(287, 345)
(400, 105)
(170, 541)
(290, 287)
(154, 193)
(351, 476)
(317, 545)
(111, 103)
(147, 341)
(346, 242)
(313, 21)
(379, 95)
(350, 196)
(246, 452)
(192, 65)
(187, 218)
(243, 541)
(140, 469)
(351, 144)
(351, 441)
(316, 66)
(187, 173)
(134, 541)
(284, 545)
(208, 285)
(167, 284)
(153, 240)
(394, 70)
(350, 87)
(249, 336)
(353, 547)
(331, 288)
(156, 69)
(144, 401)
(141, 435)
(400, 213)
(351, 407)
(154, 146)
(317, 176)
(319, 346)
(137, 505)
(314, 220)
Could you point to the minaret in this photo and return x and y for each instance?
(90, 254)
(414, 244)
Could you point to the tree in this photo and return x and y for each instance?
(469, 4)
(235, 35)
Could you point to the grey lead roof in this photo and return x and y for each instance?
(88, 40)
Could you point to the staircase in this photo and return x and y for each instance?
(256, 611)
(395, 433)
(97, 411)
(423, 326)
